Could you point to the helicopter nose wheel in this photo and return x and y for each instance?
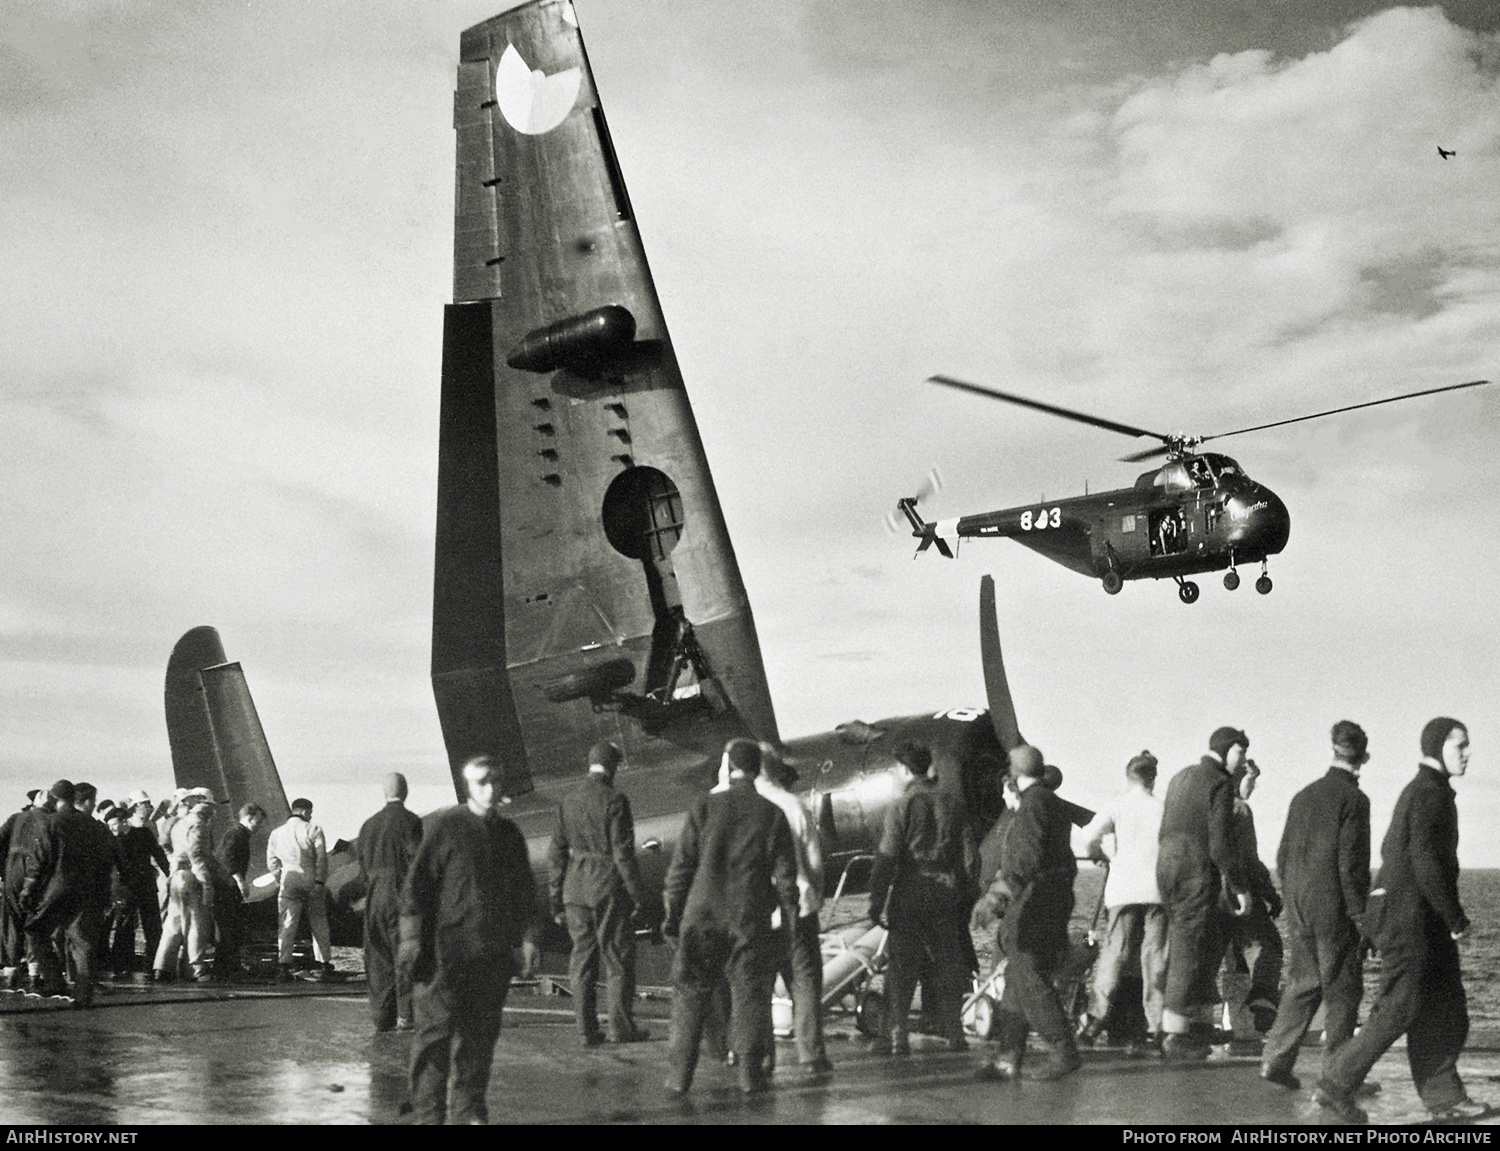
(1263, 585)
(1231, 580)
(1112, 582)
(1187, 591)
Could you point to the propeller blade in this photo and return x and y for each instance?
(1050, 409)
(1147, 454)
(996, 687)
(1349, 408)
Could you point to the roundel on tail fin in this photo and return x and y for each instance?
(532, 102)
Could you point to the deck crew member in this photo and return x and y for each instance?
(388, 842)
(141, 861)
(190, 891)
(66, 893)
(1032, 896)
(468, 904)
(1128, 835)
(18, 838)
(232, 890)
(595, 892)
(1416, 926)
(1324, 864)
(734, 865)
(1251, 978)
(801, 968)
(922, 888)
(297, 854)
(1196, 869)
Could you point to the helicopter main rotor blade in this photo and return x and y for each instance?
(1148, 454)
(1050, 409)
(1349, 408)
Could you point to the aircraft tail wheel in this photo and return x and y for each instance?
(1113, 583)
(869, 1014)
(1263, 585)
(1231, 580)
(1187, 591)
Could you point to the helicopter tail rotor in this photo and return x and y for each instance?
(907, 508)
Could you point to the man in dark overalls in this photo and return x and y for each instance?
(1199, 872)
(734, 865)
(1324, 864)
(1033, 892)
(922, 887)
(388, 842)
(468, 904)
(596, 894)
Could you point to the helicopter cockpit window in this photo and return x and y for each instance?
(1201, 471)
(1173, 478)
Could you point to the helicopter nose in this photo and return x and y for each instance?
(1270, 523)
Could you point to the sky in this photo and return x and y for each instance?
(227, 231)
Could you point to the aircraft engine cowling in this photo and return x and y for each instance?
(584, 343)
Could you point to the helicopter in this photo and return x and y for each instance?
(1197, 512)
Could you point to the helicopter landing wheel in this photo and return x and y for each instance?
(1187, 591)
(1263, 585)
(1231, 580)
(1113, 582)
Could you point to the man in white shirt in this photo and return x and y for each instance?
(1126, 834)
(802, 968)
(297, 855)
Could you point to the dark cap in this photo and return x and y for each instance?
(744, 757)
(1052, 777)
(1226, 737)
(1434, 735)
(62, 789)
(917, 756)
(606, 755)
(1349, 739)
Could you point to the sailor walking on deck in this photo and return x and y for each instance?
(1032, 896)
(1324, 865)
(595, 893)
(469, 903)
(388, 842)
(734, 865)
(1415, 921)
(1203, 886)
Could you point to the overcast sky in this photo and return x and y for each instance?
(227, 239)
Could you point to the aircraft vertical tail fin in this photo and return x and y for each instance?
(586, 587)
(215, 734)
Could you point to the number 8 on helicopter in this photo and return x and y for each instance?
(1197, 512)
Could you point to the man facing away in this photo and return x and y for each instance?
(801, 967)
(388, 842)
(1324, 864)
(232, 889)
(468, 903)
(1196, 867)
(1414, 919)
(595, 892)
(140, 853)
(1033, 892)
(734, 865)
(67, 892)
(921, 886)
(18, 837)
(190, 891)
(297, 854)
(1252, 965)
(1128, 835)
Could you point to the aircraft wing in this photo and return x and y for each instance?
(585, 585)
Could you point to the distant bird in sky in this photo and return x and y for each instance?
(1445, 153)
